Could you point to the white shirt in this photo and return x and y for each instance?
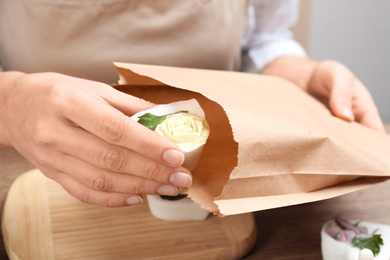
(268, 33)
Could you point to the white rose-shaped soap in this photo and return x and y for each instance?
(184, 124)
(189, 132)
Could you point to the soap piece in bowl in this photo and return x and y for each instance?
(349, 240)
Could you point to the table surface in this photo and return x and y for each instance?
(285, 233)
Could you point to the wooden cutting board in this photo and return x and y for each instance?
(42, 221)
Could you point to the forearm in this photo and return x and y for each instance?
(7, 81)
(295, 69)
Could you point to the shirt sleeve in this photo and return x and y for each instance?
(268, 34)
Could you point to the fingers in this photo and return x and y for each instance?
(125, 103)
(348, 98)
(128, 104)
(107, 154)
(105, 181)
(96, 186)
(90, 196)
(365, 109)
(351, 101)
(112, 126)
(341, 97)
(114, 158)
(371, 119)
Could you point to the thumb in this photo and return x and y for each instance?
(341, 97)
(341, 107)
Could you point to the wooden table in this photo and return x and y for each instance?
(286, 233)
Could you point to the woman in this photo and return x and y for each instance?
(57, 112)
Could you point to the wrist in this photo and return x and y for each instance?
(294, 69)
(8, 80)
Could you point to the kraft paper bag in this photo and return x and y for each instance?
(271, 144)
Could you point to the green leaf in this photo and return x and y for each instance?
(177, 197)
(373, 243)
(152, 121)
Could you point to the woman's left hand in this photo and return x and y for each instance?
(334, 84)
(347, 97)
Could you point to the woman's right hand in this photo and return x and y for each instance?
(79, 133)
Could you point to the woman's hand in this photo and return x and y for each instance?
(347, 97)
(78, 133)
(332, 83)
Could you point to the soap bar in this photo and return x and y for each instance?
(176, 210)
(183, 123)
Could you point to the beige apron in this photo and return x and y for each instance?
(83, 37)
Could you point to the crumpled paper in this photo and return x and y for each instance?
(271, 144)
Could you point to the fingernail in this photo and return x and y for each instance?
(346, 111)
(134, 200)
(173, 157)
(181, 179)
(167, 190)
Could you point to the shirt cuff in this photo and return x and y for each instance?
(258, 57)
